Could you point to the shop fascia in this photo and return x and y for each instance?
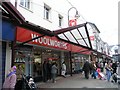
(42, 41)
(48, 41)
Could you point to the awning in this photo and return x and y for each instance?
(77, 35)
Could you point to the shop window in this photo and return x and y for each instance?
(19, 57)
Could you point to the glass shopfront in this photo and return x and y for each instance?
(31, 60)
(42, 54)
(24, 58)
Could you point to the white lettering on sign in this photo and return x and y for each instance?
(49, 41)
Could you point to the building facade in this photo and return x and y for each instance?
(48, 16)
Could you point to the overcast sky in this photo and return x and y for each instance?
(104, 13)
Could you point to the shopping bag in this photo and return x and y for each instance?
(63, 73)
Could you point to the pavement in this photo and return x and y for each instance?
(77, 81)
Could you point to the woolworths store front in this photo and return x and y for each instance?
(32, 55)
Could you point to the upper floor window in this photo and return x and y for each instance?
(25, 3)
(47, 12)
(60, 20)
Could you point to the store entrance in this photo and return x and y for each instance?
(41, 55)
(37, 66)
(52, 56)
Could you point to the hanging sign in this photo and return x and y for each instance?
(73, 22)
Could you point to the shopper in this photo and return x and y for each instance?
(114, 67)
(108, 71)
(101, 66)
(86, 69)
(49, 65)
(19, 74)
(45, 71)
(54, 71)
(10, 80)
(63, 71)
(94, 68)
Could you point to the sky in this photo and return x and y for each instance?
(103, 13)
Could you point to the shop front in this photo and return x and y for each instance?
(42, 49)
(33, 54)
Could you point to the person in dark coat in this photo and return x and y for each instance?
(114, 67)
(19, 73)
(87, 69)
(45, 71)
(49, 65)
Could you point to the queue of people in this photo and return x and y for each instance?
(50, 70)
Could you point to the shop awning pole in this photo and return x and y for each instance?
(70, 63)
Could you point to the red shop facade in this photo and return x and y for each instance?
(31, 55)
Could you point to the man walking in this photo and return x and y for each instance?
(86, 69)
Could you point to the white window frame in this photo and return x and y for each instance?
(25, 3)
(60, 20)
(47, 10)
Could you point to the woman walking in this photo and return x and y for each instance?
(54, 71)
(108, 71)
(10, 80)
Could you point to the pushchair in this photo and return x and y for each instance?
(115, 78)
(100, 74)
(28, 83)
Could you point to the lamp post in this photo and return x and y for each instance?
(76, 16)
